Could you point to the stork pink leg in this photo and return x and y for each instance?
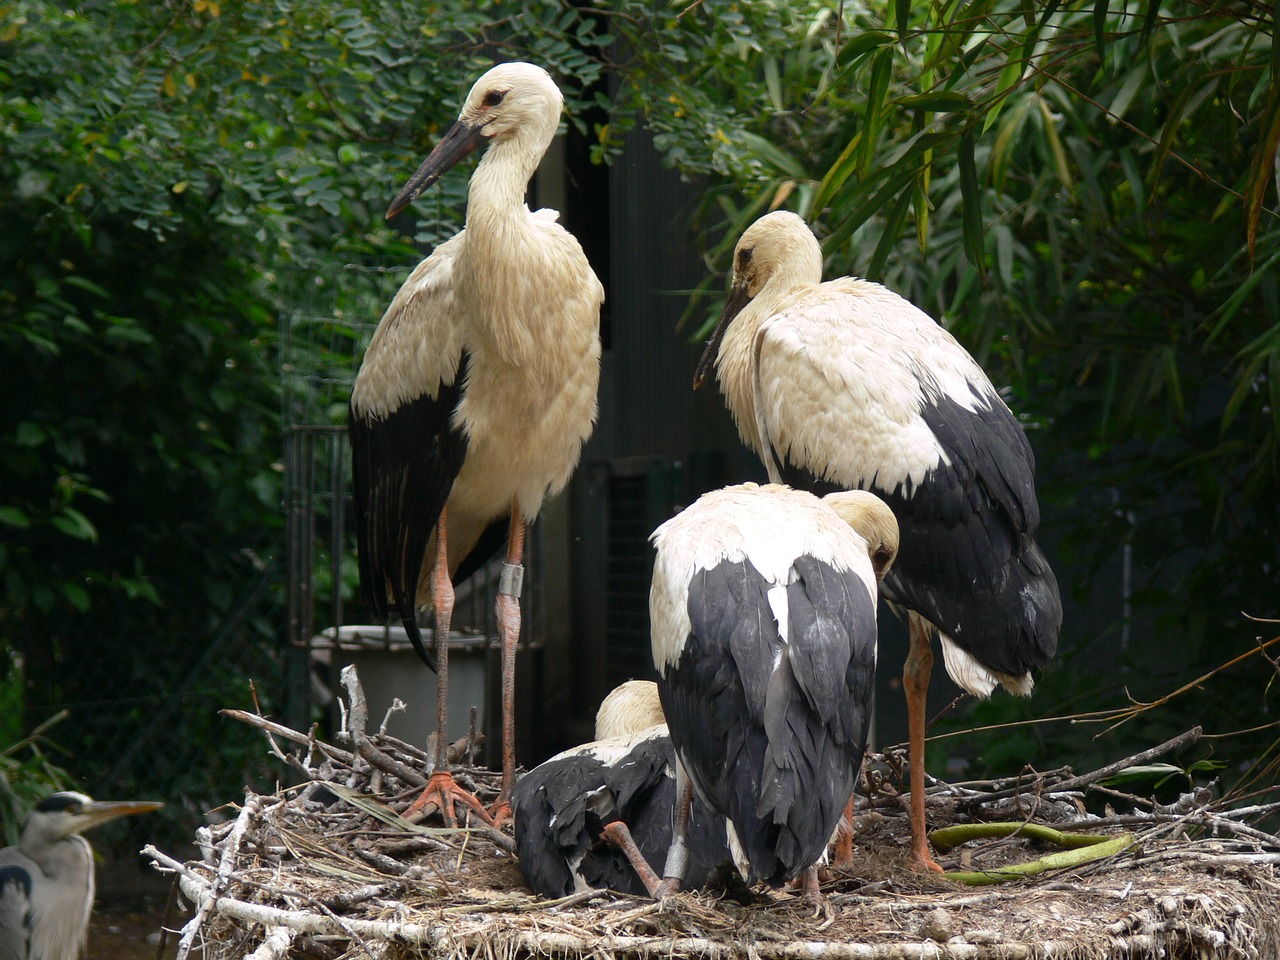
(809, 885)
(442, 791)
(844, 837)
(915, 682)
(508, 611)
(619, 834)
(678, 854)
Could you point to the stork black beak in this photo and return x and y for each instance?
(458, 141)
(738, 298)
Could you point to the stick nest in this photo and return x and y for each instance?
(330, 870)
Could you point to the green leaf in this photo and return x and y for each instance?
(889, 235)
(30, 434)
(774, 154)
(861, 45)
(971, 209)
(881, 70)
(77, 596)
(14, 517)
(1100, 29)
(75, 524)
(942, 101)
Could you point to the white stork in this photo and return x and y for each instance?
(598, 816)
(763, 618)
(477, 391)
(845, 385)
(46, 881)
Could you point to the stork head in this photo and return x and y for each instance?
(514, 103)
(60, 815)
(778, 245)
(873, 520)
(629, 708)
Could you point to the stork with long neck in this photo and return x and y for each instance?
(477, 390)
(845, 385)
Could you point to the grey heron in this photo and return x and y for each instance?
(46, 881)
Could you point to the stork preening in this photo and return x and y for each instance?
(570, 812)
(845, 385)
(763, 618)
(46, 881)
(477, 390)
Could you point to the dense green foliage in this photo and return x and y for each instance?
(1085, 194)
(171, 174)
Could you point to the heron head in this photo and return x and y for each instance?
(515, 103)
(65, 813)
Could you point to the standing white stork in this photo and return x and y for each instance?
(46, 881)
(477, 390)
(845, 385)
(598, 816)
(763, 618)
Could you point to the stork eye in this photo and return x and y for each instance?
(881, 559)
(744, 258)
(494, 97)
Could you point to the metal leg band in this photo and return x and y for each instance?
(511, 580)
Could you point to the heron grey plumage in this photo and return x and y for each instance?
(46, 881)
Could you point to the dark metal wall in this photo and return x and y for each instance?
(657, 444)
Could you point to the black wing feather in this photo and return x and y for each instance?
(403, 468)
(561, 806)
(968, 560)
(777, 751)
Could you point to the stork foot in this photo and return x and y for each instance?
(669, 887)
(500, 813)
(442, 793)
(921, 861)
(809, 890)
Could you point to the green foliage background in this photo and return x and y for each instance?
(1084, 193)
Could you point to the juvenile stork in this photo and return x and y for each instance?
(763, 618)
(598, 816)
(845, 385)
(46, 881)
(477, 390)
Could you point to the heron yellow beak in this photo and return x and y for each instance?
(100, 811)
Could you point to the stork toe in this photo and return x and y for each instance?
(442, 793)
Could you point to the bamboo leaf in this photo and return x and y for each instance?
(836, 175)
(869, 207)
(774, 154)
(1264, 157)
(902, 9)
(1060, 165)
(1100, 29)
(881, 70)
(971, 196)
(1010, 76)
(861, 45)
(892, 230)
(943, 101)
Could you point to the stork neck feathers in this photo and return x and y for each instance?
(783, 259)
(502, 177)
